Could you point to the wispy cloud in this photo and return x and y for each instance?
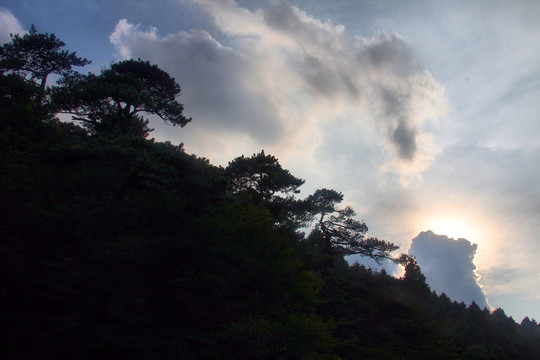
(277, 77)
(9, 24)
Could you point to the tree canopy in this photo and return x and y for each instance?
(342, 233)
(25, 65)
(35, 56)
(115, 100)
(413, 277)
(261, 175)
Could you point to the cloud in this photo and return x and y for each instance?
(215, 88)
(448, 266)
(405, 139)
(276, 77)
(9, 24)
(496, 192)
(356, 110)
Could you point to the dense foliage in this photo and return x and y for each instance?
(113, 101)
(116, 246)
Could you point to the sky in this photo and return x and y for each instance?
(424, 114)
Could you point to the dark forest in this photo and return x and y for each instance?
(114, 245)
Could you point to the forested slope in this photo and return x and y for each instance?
(113, 245)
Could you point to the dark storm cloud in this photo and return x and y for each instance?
(448, 266)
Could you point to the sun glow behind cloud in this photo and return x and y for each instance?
(462, 222)
(454, 227)
(449, 266)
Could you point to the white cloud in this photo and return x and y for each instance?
(9, 24)
(277, 78)
(123, 38)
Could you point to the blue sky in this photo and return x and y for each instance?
(425, 114)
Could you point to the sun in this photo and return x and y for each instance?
(454, 228)
(459, 222)
(453, 223)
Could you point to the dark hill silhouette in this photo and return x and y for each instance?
(113, 246)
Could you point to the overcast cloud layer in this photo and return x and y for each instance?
(424, 114)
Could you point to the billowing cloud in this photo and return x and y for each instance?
(448, 266)
(277, 77)
(214, 90)
(9, 24)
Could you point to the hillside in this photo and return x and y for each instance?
(114, 245)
